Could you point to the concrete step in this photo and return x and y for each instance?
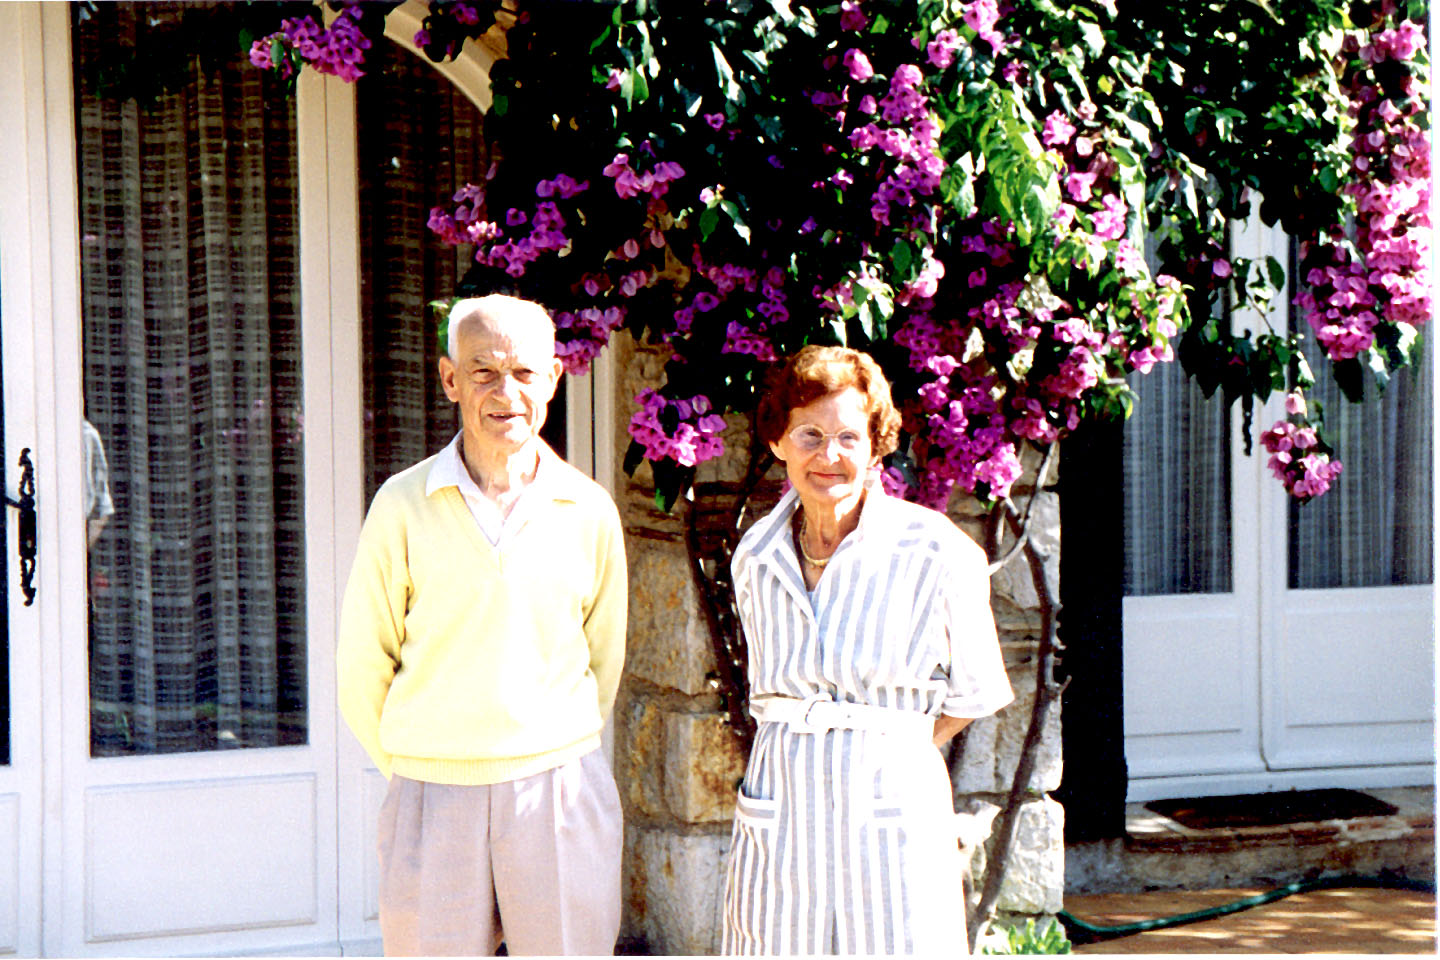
(1158, 853)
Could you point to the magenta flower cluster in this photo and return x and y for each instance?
(695, 436)
(522, 239)
(631, 183)
(970, 426)
(1298, 459)
(1347, 296)
(580, 335)
(338, 49)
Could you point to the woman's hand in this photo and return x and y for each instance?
(946, 727)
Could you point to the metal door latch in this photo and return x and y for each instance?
(28, 525)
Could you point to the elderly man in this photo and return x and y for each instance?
(481, 643)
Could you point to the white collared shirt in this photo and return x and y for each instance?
(449, 471)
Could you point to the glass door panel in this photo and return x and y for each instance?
(418, 140)
(189, 257)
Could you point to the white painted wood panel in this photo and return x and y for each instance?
(1191, 687)
(10, 873)
(187, 858)
(1354, 670)
(374, 788)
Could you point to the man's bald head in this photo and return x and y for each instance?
(523, 317)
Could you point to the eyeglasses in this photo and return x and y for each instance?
(809, 438)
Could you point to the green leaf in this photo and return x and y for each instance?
(725, 75)
(902, 255)
(867, 322)
(1376, 362)
(634, 456)
(741, 227)
(709, 220)
(1350, 378)
(1276, 273)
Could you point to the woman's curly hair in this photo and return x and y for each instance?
(816, 371)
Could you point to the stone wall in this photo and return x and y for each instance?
(677, 763)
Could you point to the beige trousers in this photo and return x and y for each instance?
(539, 856)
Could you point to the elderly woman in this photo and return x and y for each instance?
(871, 642)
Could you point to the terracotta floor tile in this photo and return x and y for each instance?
(1323, 921)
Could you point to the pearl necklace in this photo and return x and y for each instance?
(818, 564)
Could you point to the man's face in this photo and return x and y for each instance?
(504, 374)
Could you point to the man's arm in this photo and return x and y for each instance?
(372, 627)
(606, 620)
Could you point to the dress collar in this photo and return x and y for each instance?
(775, 546)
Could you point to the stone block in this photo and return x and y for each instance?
(674, 882)
(639, 753)
(1012, 587)
(993, 745)
(1035, 879)
(703, 767)
(731, 465)
(668, 642)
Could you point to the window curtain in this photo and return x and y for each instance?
(1374, 526)
(1177, 483)
(1177, 487)
(191, 339)
(418, 140)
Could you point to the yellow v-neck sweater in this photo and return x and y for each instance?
(462, 663)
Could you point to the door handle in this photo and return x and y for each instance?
(28, 526)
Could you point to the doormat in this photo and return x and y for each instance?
(1271, 809)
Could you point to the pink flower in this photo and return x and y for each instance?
(260, 53)
(859, 65)
(851, 16)
(1078, 184)
(617, 166)
(907, 77)
(1057, 132)
(1109, 222)
(941, 50)
(715, 120)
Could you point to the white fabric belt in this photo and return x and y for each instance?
(818, 713)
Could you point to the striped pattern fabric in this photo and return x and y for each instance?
(844, 840)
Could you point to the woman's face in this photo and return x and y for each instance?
(826, 447)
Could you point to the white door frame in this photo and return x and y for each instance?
(25, 247)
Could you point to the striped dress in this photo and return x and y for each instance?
(844, 840)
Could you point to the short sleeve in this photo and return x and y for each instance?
(978, 685)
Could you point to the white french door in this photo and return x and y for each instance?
(141, 814)
(159, 792)
(1251, 660)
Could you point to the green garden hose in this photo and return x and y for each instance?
(1081, 932)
